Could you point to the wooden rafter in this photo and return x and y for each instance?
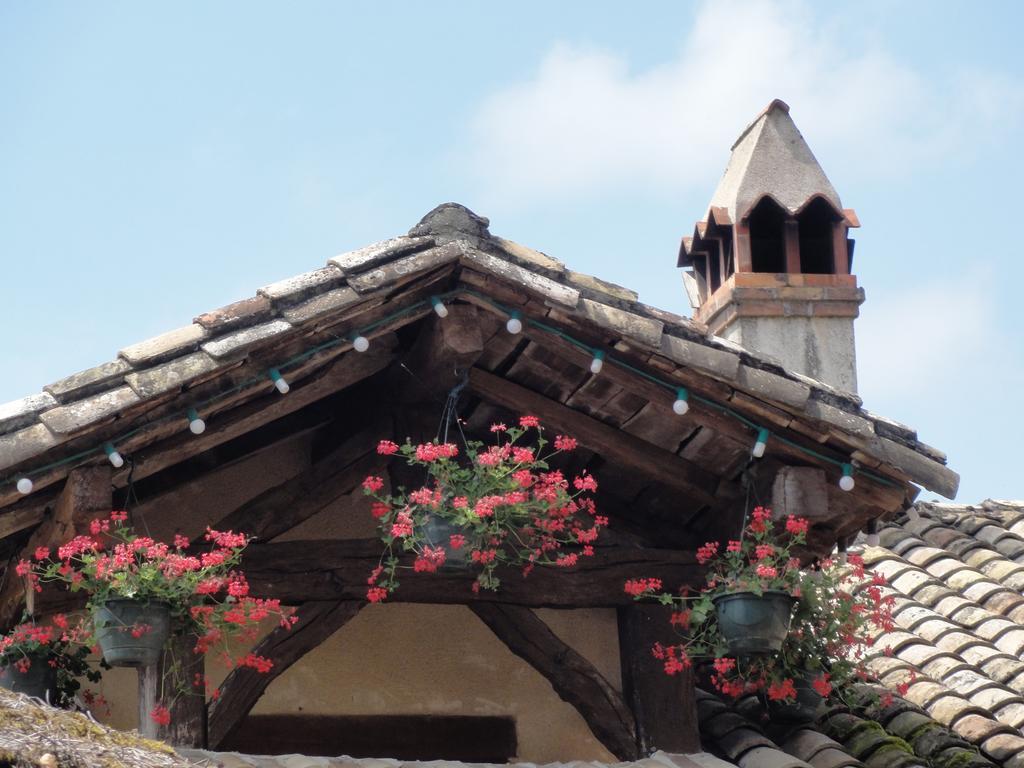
(243, 686)
(612, 444)
(574, 679)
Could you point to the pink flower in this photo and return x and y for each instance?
(781, 691)
(796, 525)
(526, 422)
(563, 443)
(161, 715)
(373, 484)
(498, 428)
(822, 685)
(637, 587)
(706, 552)
(387, 448)
(585, 482)
(42, 553)
(457, 541)
(766, 571)
(402, 525)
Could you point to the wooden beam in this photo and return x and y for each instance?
(664, 706)
(243, 686)
(187, 727)
(612, 444)
(348, 370)
(445, 349)
(284, 506)
(86, 495)
(297, 571)
(574, 679)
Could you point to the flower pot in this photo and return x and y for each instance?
(40, 680)
(754, 624)
(131, 633)
(803, 710)
(438, 531)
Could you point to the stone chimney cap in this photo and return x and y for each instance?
(771, 158)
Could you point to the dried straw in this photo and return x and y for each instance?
(34, 735)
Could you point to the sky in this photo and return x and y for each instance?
(158, 160)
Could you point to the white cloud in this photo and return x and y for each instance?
(585, 122)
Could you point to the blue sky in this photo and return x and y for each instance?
(161, 159)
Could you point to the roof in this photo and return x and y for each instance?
(304, 323)
(957, 572)
(771, 158)
(236, 760)
(36, 735)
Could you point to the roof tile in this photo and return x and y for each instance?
(89, 381)
(772, 387)
(164, 346)
(769, 757)
(720, 363)
(637, 327)
(249, 311)
(370, 256)
(294, 289)
(321, 305)
(545, 286)
(21, 413)
(66, 419)
(407, 267)
(242, 340)
(172, 375)
(15, 447)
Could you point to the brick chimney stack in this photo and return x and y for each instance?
(769, 266)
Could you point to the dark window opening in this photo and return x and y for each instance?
(700, 273)
(714, 266)
(468, 739)
(767, 251)
(816, 223)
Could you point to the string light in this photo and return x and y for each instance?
(762, 442)
(195, 424)
(846, 482)
(439, 307)
(115, 458)
(681, 404)
(515, 323)
(279, 381)
(873, 539)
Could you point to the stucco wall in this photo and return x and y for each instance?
(393, 658)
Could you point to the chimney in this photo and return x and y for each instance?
(769, 266)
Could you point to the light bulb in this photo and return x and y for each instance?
(195, 423)
(681, 406)
(439, 307)
(279, 381)
(514, 324)
(24, 486)
(115, 458)
(360, 344)
(846, 482)
(598, 362)
(762, 442)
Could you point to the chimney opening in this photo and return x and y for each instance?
(767, 252)
(817, 222)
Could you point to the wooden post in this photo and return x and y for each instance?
(664, 706)
(157, 687)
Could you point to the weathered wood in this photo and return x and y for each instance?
(297, 571)
(664, 706)
(86, 495)
(352, 368)
(574, 679)
(801, 491)
(612, 444)
(243, 686)
(284, 506)
(440, 356)
(187, 727)
(24, 515)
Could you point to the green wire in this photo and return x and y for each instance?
(412, 308)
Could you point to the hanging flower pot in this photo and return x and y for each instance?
(439, 532)
(39, 679)
(131, 633)
(753, 624)
(802, 709)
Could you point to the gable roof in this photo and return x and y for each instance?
(303, 324)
